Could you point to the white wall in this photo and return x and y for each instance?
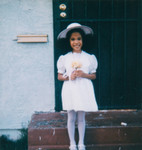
(26, 69)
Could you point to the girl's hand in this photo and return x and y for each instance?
(79, 73)
(73, 75)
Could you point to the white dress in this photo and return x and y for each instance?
(78, 94)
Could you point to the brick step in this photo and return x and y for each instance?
(109, 135)
(103, 129)
(90, 147)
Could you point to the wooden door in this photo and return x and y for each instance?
(116, 24)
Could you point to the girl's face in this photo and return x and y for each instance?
(76, 42)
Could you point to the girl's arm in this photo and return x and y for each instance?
(75, 74)
(80, 73)
(62, 78)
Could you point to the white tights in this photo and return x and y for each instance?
(71, 126)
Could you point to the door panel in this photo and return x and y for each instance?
(116, 46)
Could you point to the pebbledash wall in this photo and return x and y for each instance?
(26, 69)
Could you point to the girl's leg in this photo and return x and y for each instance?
(81, 128)
(71, 126)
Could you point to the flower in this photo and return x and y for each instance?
(76, 65)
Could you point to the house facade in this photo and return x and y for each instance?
(28, 55)
(26, 69)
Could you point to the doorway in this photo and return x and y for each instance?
(117, 28)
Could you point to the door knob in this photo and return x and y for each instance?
(63, 14)
(62, 7)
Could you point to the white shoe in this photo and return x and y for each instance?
(73, 147)
(81, 147)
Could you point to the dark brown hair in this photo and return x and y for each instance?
(87, 40)
(69, 35)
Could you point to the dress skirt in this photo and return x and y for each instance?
(78, 95)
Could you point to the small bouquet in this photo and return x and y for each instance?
(76, 65)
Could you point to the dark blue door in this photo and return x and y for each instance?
(117, 27)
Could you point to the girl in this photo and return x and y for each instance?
(77, 68)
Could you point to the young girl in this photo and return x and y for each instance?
(77, 68)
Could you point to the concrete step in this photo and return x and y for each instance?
(109, 130)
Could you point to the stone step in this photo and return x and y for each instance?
(104, 129)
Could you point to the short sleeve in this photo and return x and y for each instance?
(60, 65)
(93, 64)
